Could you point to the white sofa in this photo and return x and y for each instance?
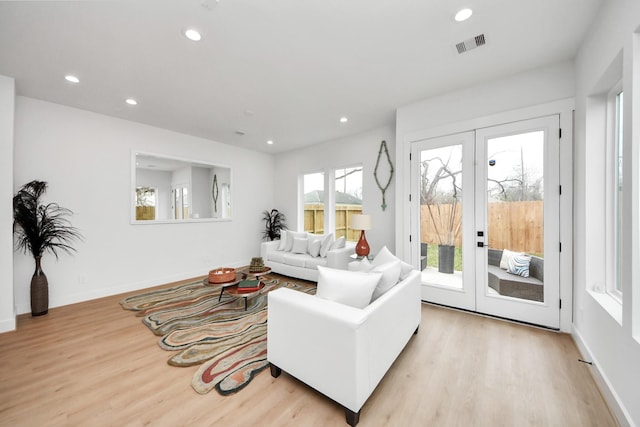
(339, 350)
(303, 265)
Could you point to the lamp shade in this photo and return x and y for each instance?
(360, 222)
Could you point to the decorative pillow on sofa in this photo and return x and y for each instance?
(283, 241)
(390, 274)
(352, 288)
(519, 264)
(385, 256)
(326, 244)
(300, 245)
(291, 235)
(362, 265)
(314, 245)
(338, 244)
(506, 255)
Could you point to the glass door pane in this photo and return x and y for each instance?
(517, 220)
(444, 251)
(515, 215)
(441, 215)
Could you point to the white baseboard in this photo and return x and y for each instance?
(7, 325)
(608, 392)
(119, 289)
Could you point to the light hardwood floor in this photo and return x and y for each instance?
(95, 364)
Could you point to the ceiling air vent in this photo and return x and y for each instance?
(471, 43)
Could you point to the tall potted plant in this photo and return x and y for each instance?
(440, 191)
(274, 223)
(40, 228)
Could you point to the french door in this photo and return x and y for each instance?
(488, 220)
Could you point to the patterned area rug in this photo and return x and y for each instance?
(227, 341)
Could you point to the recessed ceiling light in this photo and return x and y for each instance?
(270, 142)
(193, 35)
(463, 15)
(131, 101)
(72, 79)
(343, 120)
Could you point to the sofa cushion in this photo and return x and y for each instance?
(351, 288)
(300, 245)
(276, 256)
(506, 255)
(385, 256)
(390, 274)
(326, 243)
(313, 263)
(297, 260)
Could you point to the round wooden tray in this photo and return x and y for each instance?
(222, 275)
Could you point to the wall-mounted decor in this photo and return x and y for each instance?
(383, 146)
(214, 193)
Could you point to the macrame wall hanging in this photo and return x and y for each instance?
(383, 146)
(214, 193)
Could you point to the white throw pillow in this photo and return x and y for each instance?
(352, 288)
(300, 245)
(291, 235)
(362, 265)
(338, 244)
(314, 246)
(385, 256)
(326, 243)
(390, 274)
(283, 240)
(506, 255)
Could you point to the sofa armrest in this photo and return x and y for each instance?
(316, 341)
(340, 258)
(341, 351)
(268, 246)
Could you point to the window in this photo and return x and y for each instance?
(146, 202)
(332, 209)
(313, 203)
(348, 201)
(614, 191)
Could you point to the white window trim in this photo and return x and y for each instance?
(612, 255)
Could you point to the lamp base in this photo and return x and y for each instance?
(362, 247)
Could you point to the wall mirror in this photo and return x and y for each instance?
(170, 189)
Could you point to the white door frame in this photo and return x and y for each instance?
(563, 107)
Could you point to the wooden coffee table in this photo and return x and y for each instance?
(241, 275)
(239, 292)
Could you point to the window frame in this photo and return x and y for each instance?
(614, 188)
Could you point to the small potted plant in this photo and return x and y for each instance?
(274, 223)
(40, 228)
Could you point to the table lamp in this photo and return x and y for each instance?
(361, 222)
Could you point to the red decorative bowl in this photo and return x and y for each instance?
(222, 275)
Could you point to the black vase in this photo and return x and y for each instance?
(446, 254)
(39, 291)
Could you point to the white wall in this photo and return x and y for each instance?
(609, 344)
(467, 109)
(362, 148)
(86, 159)
(7, 95)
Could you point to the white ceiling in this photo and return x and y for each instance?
(285, 70)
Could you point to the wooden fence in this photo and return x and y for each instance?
(517, 226)
(314, 220)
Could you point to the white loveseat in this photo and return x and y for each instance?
(299, 262)
(340, 350)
